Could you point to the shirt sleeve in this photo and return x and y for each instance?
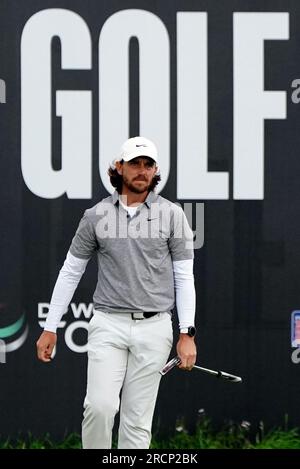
(66, 284)
(185, 292)
(181, 236)
(84, 243)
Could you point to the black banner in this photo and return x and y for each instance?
(215, 85)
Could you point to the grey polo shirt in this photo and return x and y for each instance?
(135, 254)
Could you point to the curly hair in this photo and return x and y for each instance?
(116, 180)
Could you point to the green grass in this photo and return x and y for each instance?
(231, 436)
(72, 441)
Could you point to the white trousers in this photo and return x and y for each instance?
(127, 354)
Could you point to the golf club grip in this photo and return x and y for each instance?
(168, 366)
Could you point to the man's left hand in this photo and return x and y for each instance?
(186, 351)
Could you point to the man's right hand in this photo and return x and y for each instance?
(45, 345)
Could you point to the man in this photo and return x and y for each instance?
(145, 257)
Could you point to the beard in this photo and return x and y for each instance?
(137, 189)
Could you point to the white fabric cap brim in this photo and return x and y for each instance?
(113, 163)
(137, 153)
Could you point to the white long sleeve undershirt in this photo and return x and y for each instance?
(74, 267)
(185, 292)
(64, 289)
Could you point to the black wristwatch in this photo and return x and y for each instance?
(190, 331)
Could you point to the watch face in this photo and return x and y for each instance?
(192, 331)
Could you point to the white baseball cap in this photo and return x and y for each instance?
(134, 147)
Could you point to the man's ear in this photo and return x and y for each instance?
(119, 167)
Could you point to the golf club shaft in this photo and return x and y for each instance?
(219, 374)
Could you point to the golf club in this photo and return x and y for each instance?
(219, 374)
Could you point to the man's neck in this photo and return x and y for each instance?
(132, 199)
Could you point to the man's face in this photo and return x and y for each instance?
(137, 174)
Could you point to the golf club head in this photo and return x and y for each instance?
(229, 377)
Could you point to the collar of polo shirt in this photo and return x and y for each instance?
(151, 197)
